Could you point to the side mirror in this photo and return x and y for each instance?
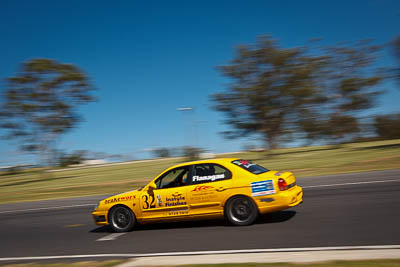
(152, 186)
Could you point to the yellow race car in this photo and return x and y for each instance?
(230, 187)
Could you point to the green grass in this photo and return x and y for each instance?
(323, 160)
(304, 161)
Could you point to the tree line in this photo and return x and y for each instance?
(312, 93)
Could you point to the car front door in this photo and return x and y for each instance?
(169, 197)
(210, 184)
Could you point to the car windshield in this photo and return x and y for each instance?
(251, 167)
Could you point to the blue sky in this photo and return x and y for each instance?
(148, 58)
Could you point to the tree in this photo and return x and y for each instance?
(191, 153)
(349, 83)
(161, 152)
(388, 126)
(279, 92)
(270, 87)
(76, 157)
(40, 103)
(396, 48)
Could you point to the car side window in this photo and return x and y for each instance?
(210, 172)
(173, 178)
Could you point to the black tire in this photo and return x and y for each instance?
(121, 219)
(241, 211)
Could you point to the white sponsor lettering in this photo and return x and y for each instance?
(208, 178)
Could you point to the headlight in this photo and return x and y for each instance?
(96, 206)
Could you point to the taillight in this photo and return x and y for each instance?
(282, 184)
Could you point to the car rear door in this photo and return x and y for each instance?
(209, 186)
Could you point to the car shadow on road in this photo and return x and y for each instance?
(102, 229)
(275, 217)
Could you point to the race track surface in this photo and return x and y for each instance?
(357, 209)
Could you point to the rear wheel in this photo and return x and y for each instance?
(122, 219)
(241, 210)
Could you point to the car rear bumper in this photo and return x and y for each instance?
(295, 197)
(282, 200)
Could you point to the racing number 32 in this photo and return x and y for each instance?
(148, 202)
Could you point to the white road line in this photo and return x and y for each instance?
(369, 182)
(215, 252)
(110, 237)
(48, 208)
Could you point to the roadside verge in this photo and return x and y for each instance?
(291, 255)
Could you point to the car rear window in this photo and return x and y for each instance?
(249, 166)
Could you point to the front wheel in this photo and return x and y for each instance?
(122, 219)
(241, 210)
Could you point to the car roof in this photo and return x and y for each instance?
(217, 160)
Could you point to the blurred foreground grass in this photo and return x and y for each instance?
(110, 263)
(304, 161)
(370, 263)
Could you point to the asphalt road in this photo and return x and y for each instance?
(341, 210)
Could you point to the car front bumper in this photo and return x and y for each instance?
(100, 217)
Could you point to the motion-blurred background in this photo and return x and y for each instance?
(308, 86)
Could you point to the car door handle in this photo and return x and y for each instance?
(220, 189)
(176, 194)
